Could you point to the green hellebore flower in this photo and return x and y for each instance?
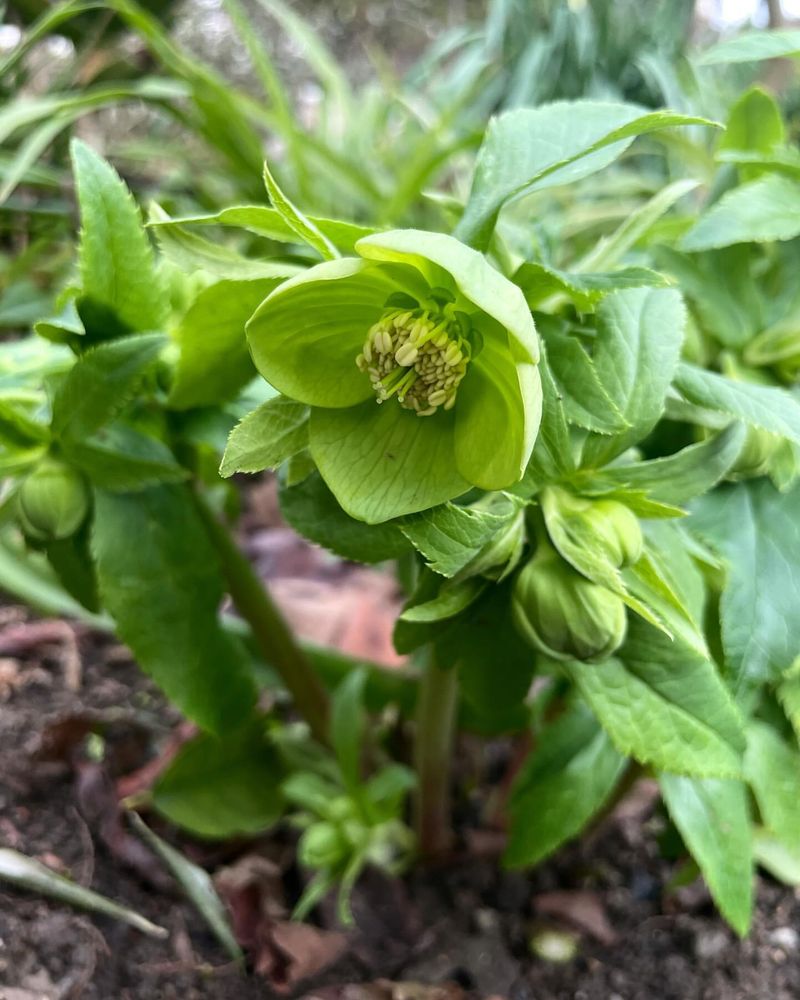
(418, 360)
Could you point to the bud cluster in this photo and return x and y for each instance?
(419, 357)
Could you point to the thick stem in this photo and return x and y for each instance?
(274, 637)
(436, 716)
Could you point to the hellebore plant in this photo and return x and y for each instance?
(418, 360)
(592, 578)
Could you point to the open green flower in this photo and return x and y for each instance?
(418, 360)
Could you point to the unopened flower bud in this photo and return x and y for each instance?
(757, 452)
(564, 615)
(53, 501)
(617, 530)
(321, 846)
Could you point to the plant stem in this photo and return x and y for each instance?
(274, 637)
(436, 715)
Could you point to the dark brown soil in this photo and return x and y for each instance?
(469, 928)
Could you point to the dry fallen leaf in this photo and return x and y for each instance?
(583, 909)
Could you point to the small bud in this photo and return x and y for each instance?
(757, 452)
(321, 846)
(617, 530)
(564, 615)
(598, 524)
(53, 501)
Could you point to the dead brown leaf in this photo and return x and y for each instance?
(582, 909)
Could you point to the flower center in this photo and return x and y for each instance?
(417, 356)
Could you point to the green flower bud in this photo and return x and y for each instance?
(603, 524)
(758, 450)
(617, 529)
(53, 501)
(564, 615)
(322, 846)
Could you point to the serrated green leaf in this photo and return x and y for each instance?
(756, 530)
(533, 148)
(585, 400)
(222, 788)
(451, 599)
(665, 705)
(311, 509)
(190, 252)
(116, 260)
(275, 431)
(768, 407)
(564, 782)
(300, 224)
(772, 769)
(759, 211)
(121, 459)
(639, 339)
(214, 361)
(100, 383)
(159, 578)
(267, 222)
(712, 817)
(450, 537)
(688, 473)
(539, 282)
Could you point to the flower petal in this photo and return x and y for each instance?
(472, 274)
(305, 336)
(383, 461)
(498, 409)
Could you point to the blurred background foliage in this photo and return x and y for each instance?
(366, 110)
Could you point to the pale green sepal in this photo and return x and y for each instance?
(381, 461)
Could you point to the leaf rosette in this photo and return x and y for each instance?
(418, 360)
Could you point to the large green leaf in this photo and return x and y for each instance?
(116, 260)
(713, 820)
(121, 459)
(760, 211)
(223, 787)
(564, 782)
(772, 769)
(769, 408)
(100, 383)
(753, 47)
(533, 148)
(665, 705)
(757, 531)
(159, 578)
(640, 333)
(685, 475)
(266, 437)
(214, 362)
(311, 509)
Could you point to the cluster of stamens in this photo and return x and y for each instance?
(417, 356)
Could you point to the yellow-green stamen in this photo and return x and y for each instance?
(419, 357)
